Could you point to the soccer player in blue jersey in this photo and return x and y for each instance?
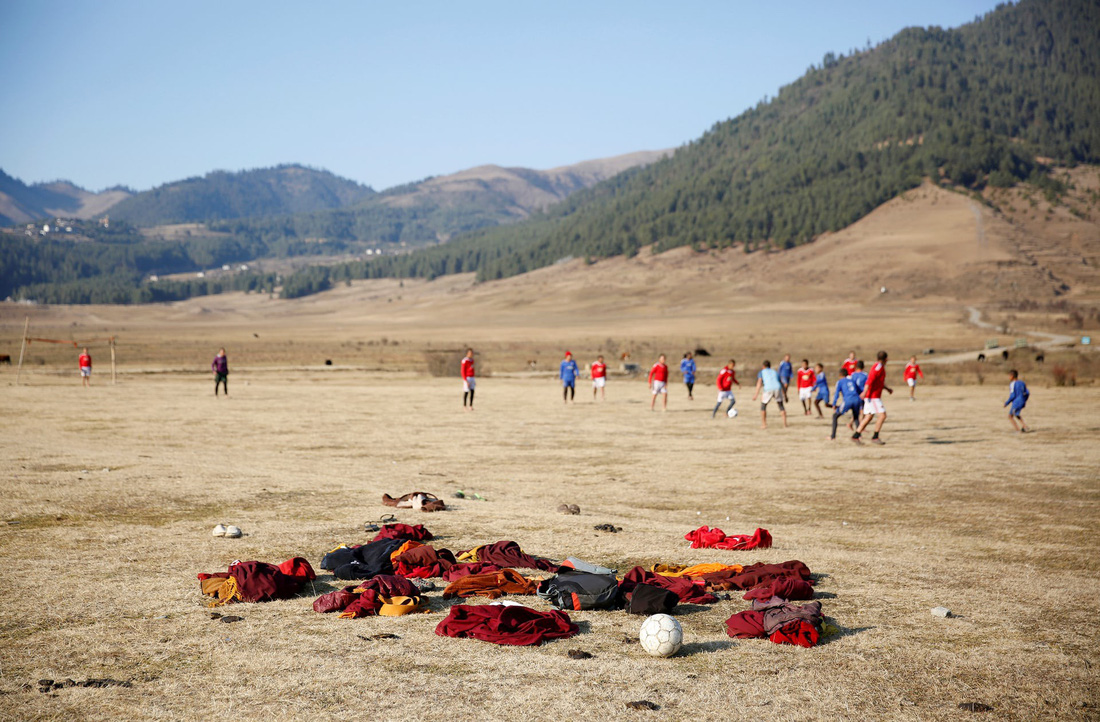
(1017, 400)
(821, 387)
(768, 388)
(687, 368)
(785, 373)
(845, 399)
(568, 374)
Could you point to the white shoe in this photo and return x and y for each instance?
(233, 532)
(219, 530)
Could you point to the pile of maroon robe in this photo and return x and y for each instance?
(689, 591)
(705, 537)
(262, 582)
(365, 599)
(511, 624)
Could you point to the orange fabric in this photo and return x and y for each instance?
(491, 585)
(698, 570)
(410, 544)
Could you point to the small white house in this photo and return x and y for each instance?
(201, 274)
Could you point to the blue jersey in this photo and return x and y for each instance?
(569, 372)
(821, 385)
(1017, 395)
(785, 372)
(860, 380)
(770, 379)
(687, 368)
(846, 389)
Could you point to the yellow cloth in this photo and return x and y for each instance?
(227, 592)
(698, 570)
(470, 556)
(397, 606)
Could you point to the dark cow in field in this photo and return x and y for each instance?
(1040, 359)
(1004, 354)
(5, 359)
(981, 358)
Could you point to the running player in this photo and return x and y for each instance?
(768, 388)
(568, 373)
(845, 399)
(687, 368)
(859, 377)
(872, 400)
(912, 371)
(726, 378)
(85, 364)
(805, 385)
(849, 364)
(468, 381)
(785, 374)
(658, 383)
(821, 388)
(1017, 400)
(599, 378)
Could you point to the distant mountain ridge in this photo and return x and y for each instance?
(22, 203)
(219, 195)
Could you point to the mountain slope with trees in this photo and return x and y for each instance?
(22, 203)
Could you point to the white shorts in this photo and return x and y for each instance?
(660, 387)
(911, 382)
(768, 396)
(85, 370)
(469, 384)
(873, 406)
(805, 392)
(599, 382)
(723, 395)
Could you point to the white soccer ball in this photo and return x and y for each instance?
(732, 413)
(661, 636)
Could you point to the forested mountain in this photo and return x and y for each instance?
(22, 203)
(219, 195)
(977, 105)
(435, 209)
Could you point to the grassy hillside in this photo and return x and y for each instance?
(22, 203)
(220, 195)
(975, 106)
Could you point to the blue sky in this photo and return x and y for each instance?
(142, 93)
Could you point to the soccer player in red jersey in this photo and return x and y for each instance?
(849, 364)
(727, 377)
(806, 379)
(658, 383)
(912, 370)
(468, 381)
(85, 363)
(872, 400)
(599, 378)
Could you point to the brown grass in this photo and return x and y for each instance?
(115, 491)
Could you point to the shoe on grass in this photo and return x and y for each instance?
(232, 532)
(219, 530)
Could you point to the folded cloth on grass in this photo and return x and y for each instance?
(688, 591)
(512, 624)
(506, 554)
(779, 620)
(755, 575)
(491, 585)
(423, 562)
(403, 531)
(362, 562)
(254, 581)
(421, 500)
(789, 588)
(457, 571)
(380, 587)
(370, 603)
(705, 537)
(696, 570)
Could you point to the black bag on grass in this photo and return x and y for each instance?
(575, 590)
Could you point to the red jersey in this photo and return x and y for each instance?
(806, 378)
(467, 367)
(876, 380)
(659, 372)
(85, 361)
(912, 370)
(599, 370)
(850, 366)
(726, 379)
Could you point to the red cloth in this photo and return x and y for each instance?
(335, 601)
(262, 582)
(726, 378)
(876, 381)
(806, 378)
(85, 361)
(519, 626)
(799, 632)
(689, 591)
(599, 370)
(789, 588)
(457, 571)
(390, 585)
(423, 562)
(911, 371)
(508, 554)
(850, 365)
(403, 531)
(659, 372)
(755, 575)
(467, 368)
(746, 625)
(366, 604)
(298, 567)
(705, 537)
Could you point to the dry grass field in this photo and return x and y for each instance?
(110, 494)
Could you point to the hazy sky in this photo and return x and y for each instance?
(145, 92)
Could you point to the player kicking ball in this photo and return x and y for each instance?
(727, 377)
(658, 384)
(872, 400)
